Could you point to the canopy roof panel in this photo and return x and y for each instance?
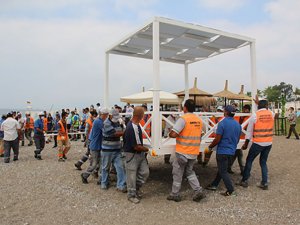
(179, 42)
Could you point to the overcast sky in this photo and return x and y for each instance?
(52, 51)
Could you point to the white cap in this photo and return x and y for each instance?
(220, 108)
(115, 115)
(104, 110)
(41, 113)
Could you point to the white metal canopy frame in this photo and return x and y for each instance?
(168, 40)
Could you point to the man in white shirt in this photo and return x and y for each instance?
(21, 122)
(11, 129)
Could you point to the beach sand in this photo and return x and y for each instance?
(51, 192)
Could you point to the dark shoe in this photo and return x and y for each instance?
(2, 155)
(23, 143)
(15, 159)
(263, 186)
(175, 198)
(204, 164)
(139, 194)
(104, 187)
(54, 146)
(38, 157)
(230, 171)
(198, 196)
(227, 193)
(123, 190)
(65, 157)
(61, 160)
(211, 187)
(6, 161)
(84, 180)
(243, 184)
(78, 167)
(287, 137)
(134, 200)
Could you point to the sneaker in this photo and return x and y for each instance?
(243, 184)
(84, 180)
(104, 187)
(263, 186)
(123, 190)
(211, 187)
(134, 200)
(78, 167)
(61, 160)
(227, 193)
(175, 198)
(198, 196)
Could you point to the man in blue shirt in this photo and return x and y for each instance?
(39, 138)
(95, 139)
(227, 138)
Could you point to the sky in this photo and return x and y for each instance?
(52, 51)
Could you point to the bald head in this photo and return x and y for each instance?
(138, 113)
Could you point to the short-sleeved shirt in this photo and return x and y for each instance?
(230, 131)
(39, 123)
(10, 128)
(1, 131)
(96, 135)
(132, 137)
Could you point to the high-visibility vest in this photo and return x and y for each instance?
(148, 127)
(90, 122)
(263, 128)
(189, 139)
(63, 133)
(241, 120)
(29, 125)
(45, 124)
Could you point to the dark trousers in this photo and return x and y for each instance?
(239, 156)
(8, 145)
(254, 151)
(293, 130)
(39, 141)
(223, 162)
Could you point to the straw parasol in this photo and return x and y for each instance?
(226, 94)
(147, 97)
(242, 96)
(199, 96)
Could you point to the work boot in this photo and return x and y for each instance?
(198, 196)
(175, 198)
(84, 180)
(78, 166)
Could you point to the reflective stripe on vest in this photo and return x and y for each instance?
(189, 139)
(263, 128)
(29, 125)
(62, 134)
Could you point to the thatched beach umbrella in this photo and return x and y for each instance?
(199, 96)
(226, 94)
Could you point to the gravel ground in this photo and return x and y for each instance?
(51, 192)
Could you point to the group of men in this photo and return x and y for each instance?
(103, 132)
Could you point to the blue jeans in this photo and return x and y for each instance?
(109, 157)
(223, 162)
(254, 151)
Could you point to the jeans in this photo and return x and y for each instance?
(108, 158)
(239, 155)
(137, 172)
(293, 130)
(95, 163)
(39, 141)
(182, 164)
(223, 162)
(254, 151)
(8, 145)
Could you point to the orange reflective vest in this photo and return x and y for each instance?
(90, 122)
(189, 139)
(45, 124)
(148, 127)
(62, 133)
(29, 125)
(263, 128)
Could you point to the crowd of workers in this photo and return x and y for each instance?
(115, 144)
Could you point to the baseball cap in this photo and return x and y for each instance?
(115, 115)
(230, 109)
(220, 108)
(104, 110)
(41, 113)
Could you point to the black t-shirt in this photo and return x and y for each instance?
(129, 138)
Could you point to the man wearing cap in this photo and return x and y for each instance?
(11, 130)
(227, 138)
(111, 150)
(95, 144)
(38, 137)
(260, 130)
